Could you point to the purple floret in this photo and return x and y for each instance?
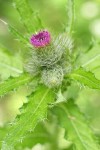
(40, 39)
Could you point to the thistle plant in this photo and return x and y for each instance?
(49, 69)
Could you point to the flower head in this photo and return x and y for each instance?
(40, 39)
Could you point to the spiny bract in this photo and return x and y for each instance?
(52, 77)
(49, 54)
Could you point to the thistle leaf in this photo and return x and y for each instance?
(86, 78)
(90, 60)
(28, 18)
(3, 131)
(5, 50)
(34, 111)
(13, 83)
(77, 130)
(40, 135)
(19, 36)
(9, 65)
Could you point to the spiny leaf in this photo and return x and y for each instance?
(3, 132)
(9, 64)
(13, 83)
(40, 135)
(18, 35)
(90, 60)
(77, 129)
(28, 18)
(5, 50)
(86, 78)
(34, 112)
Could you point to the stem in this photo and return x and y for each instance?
(71, 15)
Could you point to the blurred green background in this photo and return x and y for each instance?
(87, 43)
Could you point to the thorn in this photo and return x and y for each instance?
(21, 140)
(10, 123)
(3, 22)
(21, 109)
(30, 130)
(43, 120)
(14, 89)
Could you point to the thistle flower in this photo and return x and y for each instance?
(52, 60)
(40, 39)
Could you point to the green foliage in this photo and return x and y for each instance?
(34, 111)
(40, 135)
(19, 36)
(5, 50)
(77, 130)
(3, 132)
(28, 17)
(13, 83)
(86, 78)
(90, 58)
(52, 65)
(9, 65)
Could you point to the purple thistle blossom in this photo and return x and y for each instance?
(40, 39)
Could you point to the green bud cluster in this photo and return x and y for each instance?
(52, 77)
(51, 61)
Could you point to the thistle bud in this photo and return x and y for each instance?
(53, 77)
